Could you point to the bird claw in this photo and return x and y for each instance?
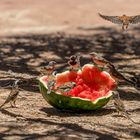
(13, 106)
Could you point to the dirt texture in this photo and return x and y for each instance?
(29, 41)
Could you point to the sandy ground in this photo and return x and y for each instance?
(28, 16)
(34, 40)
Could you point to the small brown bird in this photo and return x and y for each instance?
(13, 95)
(98, 60)
(49, 69)
(120, 107)
(124, 20)
(74, 62)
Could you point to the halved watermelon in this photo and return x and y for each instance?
(92, 90)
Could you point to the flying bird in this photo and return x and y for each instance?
(124, 20)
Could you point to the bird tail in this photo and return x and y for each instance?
(128, 81)
(132, 83)
(99, 14)
(2, 105)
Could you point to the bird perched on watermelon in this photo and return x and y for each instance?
(102, 63)
(74, 62)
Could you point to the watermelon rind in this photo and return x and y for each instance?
(70, 103)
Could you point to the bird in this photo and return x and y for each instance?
(12, 95)
(49, 69)
(100, 61)
(120, 107)
(74, 62)
(124, 20)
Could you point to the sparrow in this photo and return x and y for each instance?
(74, 62)
(12, 95)
(120, 107)
(124, 20)
(100, 61)
(49, 69)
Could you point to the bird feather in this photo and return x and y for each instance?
(113, 19)
(135, 19)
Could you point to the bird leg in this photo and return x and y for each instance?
(13, 103)
(123, 28)
(126, 26)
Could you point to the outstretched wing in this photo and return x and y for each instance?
(134, 19)
(113, 19)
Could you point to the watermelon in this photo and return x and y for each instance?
(92, 89)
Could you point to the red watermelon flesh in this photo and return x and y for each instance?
(91, 83)
(67, 76)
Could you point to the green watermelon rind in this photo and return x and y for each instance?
(63, 102)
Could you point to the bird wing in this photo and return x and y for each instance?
(134, 19)
(113, 19)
